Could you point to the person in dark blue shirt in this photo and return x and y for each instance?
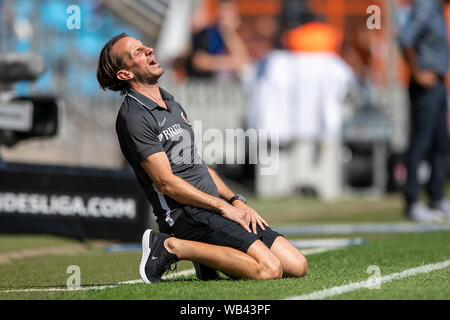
(217, 51)
(423, 41)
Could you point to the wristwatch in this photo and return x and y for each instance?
(237, 197)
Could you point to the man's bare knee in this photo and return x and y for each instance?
(269, 266)
(270, 270)
(293, 261)
(302, 267)
(275, 270)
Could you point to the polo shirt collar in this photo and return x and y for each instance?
(146, 101)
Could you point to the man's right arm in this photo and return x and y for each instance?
(425, 78)
(158, 168)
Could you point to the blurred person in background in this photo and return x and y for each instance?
(217, 50)
(297, 91)
(423, 41)
(321, 81)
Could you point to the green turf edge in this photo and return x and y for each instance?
(392, 254)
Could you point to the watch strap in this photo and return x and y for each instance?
(236, 197)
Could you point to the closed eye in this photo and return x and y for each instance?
(138, 51)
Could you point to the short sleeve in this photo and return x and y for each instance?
(143, 138)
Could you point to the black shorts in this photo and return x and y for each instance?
(210, 227)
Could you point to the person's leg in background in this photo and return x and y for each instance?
(439, 155)
(424, 113)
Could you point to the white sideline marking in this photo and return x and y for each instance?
(187, 272)
(168, 276)
(327, 243)
(359, 228)
(326, 293)
(310, 251)
(60, 289)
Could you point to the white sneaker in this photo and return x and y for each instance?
(444, 207)
(419, 212)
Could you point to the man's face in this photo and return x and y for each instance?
(140, 62)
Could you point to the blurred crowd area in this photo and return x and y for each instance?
(337, 26)
(179, 30)
(70, 56)
(228, 62)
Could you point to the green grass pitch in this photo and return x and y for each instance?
(26, 275)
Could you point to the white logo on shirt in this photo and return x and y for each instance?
(162, 123)
(170, 132)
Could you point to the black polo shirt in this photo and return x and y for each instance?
(144, 128)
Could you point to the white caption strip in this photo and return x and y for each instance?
(326, 293)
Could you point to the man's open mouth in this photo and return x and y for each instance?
(153, 62)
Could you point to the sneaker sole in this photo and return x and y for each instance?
(205, 273)
(145, 254)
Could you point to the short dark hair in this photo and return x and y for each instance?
(108, 66)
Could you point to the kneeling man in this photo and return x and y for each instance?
(199, 217)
